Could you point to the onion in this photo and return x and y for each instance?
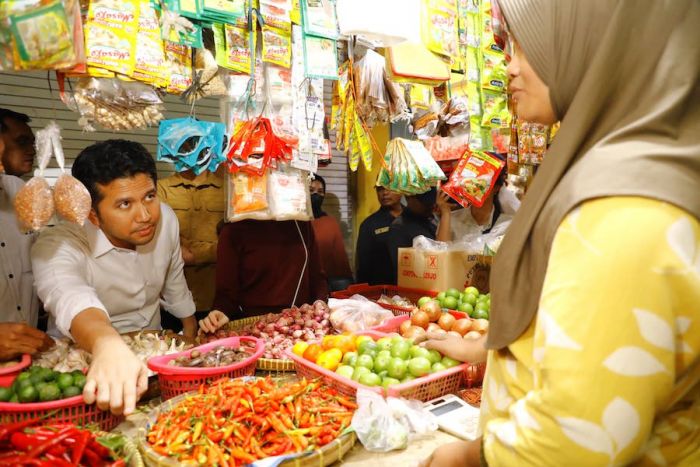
(326, 315)
(455, 334)
(432, 327)
(432, 308)
(446, 321)
(296, 327)
(471, 335)
(404, 327)
(264, 335)
(440, 332)
(420, 319)
(297, 334)
(462, 326)
(414, 331)
(309, 323)
(481, 325)
(299, 321)
(325, 323)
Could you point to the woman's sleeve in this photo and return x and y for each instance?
(226, 296)
(605, 340)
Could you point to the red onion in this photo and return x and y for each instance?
(296, 327)
(309, 323)
(325, 323)
(297, 334)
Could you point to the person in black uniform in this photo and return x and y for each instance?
(372, 254)
(416, 219)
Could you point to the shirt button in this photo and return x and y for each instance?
(11, 276)
(19, 307)
(2, 244)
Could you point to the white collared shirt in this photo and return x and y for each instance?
(18, 302)
(79, 268)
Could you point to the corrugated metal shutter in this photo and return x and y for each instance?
(30, 93)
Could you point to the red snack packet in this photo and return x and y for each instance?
(473, 179)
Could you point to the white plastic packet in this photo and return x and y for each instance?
(356, 313)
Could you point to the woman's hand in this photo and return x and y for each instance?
(443, 203)
(458, 454)
(457, 348)
(214, 320)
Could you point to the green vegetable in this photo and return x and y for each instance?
(71, 391)
(5, 394)
(28, 394)
(50, 392)
(79, 381)
(64, 380)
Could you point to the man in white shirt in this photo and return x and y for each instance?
(112, 275)
(18, 303)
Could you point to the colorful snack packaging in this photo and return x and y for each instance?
(473, 179)
(276, 14)
(234, 46)
(178, 60)
(439, 26)
(277, 47)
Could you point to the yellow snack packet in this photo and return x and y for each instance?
(110, 48)
(277, 47)
(178, 59)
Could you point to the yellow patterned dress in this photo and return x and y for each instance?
(617, 333)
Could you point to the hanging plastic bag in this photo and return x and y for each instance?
(473, 179)
(288, 194)
(71, 199)
(246, 197)
(386, 425)
(356, 314)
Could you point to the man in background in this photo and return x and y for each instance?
(18, 303)
(373, 260)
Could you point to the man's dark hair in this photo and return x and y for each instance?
(7, 113)
(109, 160)
(320, 179)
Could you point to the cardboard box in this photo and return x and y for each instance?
(441, 270)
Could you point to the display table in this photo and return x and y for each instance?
(358, 456)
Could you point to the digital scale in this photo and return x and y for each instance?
(455, 416)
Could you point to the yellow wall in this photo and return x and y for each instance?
(365, 196)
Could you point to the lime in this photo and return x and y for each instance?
(24, 375)
(51, 375)
(64, 380)
(480, 313)
(36, 378)
(35, 369)
(14, 399)
(40, 385)
(5, 394)
(389, 381)
(28, 394)
(452, 292)
(71, 391)
(76, 372)
(345, 371)
(422, 301)
(79, 380)
(23, 384)
(441, 296)
(50, 392)
(450, 303)
(467, 308)
(471, 291)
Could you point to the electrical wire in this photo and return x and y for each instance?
(303, 269)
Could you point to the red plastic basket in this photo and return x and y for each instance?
(374, 293)
(9, 373)
(473, 376)
(71, 410)
(174, 380)
(423, 389)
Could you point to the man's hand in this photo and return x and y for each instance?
(213, 321)
(472, 351)
(187, 255)
(116, 379)
(443, 203)
(459, 454)
(20, 338)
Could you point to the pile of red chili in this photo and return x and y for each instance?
(55, 445)
(237, 422)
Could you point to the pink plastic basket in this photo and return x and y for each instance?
(473, 376)
(72, 410)
(174, 380)
(423, 389)
(374, 292)
(9, 373)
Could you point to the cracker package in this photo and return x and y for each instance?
(473, 179)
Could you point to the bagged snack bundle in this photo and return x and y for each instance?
(235, 47)
(178, 63)
(191, 144)
(110, 36)
(276, 14)
(115, 104)
(378, 99)
(255, 147)
(439, 27)
(288, 191)
(473, 179)
(246, 197)
(71, 199)
(408, 168)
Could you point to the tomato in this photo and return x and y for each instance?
(345, 371)
(361, 339)
(370, 379)
(434, 356)
(397, 368)
(299, 348)
(419, 366)
(359, 371)
(365, 361)
(330, 359)
(367, 347)
(449, 362)
(384, 343)
(312, 352)
(350, 359)
(438, 367)
(329, 342)
(418, 351)
(389, 381)
(381, 363)
(400, 349)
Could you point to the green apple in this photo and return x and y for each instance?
(449, 362)
(345, 371)
(434, 356)
(370, 379)
(366, 361)
(397, 368)
(384, 344)
(381, 363)
(359, 371)
(401, 349)
(419, 366)
(350, 359)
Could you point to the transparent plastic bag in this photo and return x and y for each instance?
(422, 242)
(34, 204)
(356, 314)
(384, 425)
(246, 197)
(288, 194)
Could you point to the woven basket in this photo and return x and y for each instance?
(269, 365)
(327, 455)
(130, 449)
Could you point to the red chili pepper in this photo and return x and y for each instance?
(62, 435)
(7, 430)
(80, 446)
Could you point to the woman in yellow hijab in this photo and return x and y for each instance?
(594, 344)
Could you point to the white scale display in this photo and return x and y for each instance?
(455, 416)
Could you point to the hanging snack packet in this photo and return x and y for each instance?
(247, 197)
(277, 47)
(473, 179)
(234, 46)
(289, 194)
(439, 26)
(495, 108)
(178, 60)
(276, 14)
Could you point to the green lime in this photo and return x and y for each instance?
(79, 381)
(50, 392)
(36, 378)
(40, 385)
(452, 292)
(480, 313)
(64, 380)
(450, 303)
(24, 375)
(35, 369)
(77, 372)
(51, 375)
(5, 394)
(28, 394)
(71, 391)
(14, 399)
(25, 383)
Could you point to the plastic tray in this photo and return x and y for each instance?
(374, 292)
(174, 380)
(423, 389)
(71, 410)
(9, 373)
(473, 376)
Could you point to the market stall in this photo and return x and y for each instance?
(305, 382)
